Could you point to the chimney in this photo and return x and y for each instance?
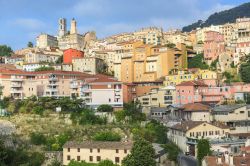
(231, 159)
(219, 160)
(73, 26)
(226, 158)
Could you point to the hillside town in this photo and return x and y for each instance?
(195, 85)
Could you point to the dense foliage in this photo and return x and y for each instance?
(5, 50)
(197, 62)
(45, 68)
(223, 17)
(142, 154)
(107, 136)
(152, 132)
(83, 163)
(41, 105)
(11, 157)
(87, 117)
(172, 150)
(204, 149)
(105, 108)
(244, 70)
(50, 142)
(30, 44)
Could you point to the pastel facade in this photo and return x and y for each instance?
(160, 97)
(94, 152)
(102, 91)
(213, 46)
(90, 65)
(94, 89)
(186, 134)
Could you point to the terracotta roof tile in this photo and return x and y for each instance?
(99, 145)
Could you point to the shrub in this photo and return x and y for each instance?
(107, 136)
(37, 138)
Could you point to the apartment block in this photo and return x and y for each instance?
(90, 65)
(94, 89)
(213, 46)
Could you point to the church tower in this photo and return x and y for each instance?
(73, 27)
(62, 27)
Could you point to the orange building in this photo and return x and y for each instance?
(71, 53)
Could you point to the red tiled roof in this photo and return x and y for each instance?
(196, 107)
(192, 83)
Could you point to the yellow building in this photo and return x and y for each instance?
(180, 77)
(125, 49)
(149, 63)
(184, 75)
(207, 74)
(94, 152)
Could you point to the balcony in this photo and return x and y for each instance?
(53, 79)
(51, 90)
(15, 79)
(16, 91)
(73, 86)
(117, 90)
(16, 85)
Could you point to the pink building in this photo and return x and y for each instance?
(190, 92)
(196, 92)
(199, 91)
(213, 45)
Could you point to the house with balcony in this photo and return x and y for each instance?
(186, 134)
(102, 90)
(237, 117)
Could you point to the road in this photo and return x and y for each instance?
(184, 160)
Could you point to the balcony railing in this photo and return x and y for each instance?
(14, 85)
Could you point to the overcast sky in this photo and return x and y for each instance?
(22, 20)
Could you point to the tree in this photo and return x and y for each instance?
(30, 44)
(107, 136)
(172, 150)
(204, 149)
(106, 163)
(5, 50)
(45, 68)
(120, 115)
(55, 163)
(213, 65)
(244, 71)
(197, 62)
(171, 45)
(105, 108)
(142, 154)
(37, 139)
(38, 110)
(152, 132)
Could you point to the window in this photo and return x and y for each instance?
(91, 150)
(98, 150)
(90, 158)
(98, 158)
(117, 159)
(78, 158)
(125, 151)
(68, 149)
(117, 150)
(242, 112)
(68, 157)
(78, 149)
